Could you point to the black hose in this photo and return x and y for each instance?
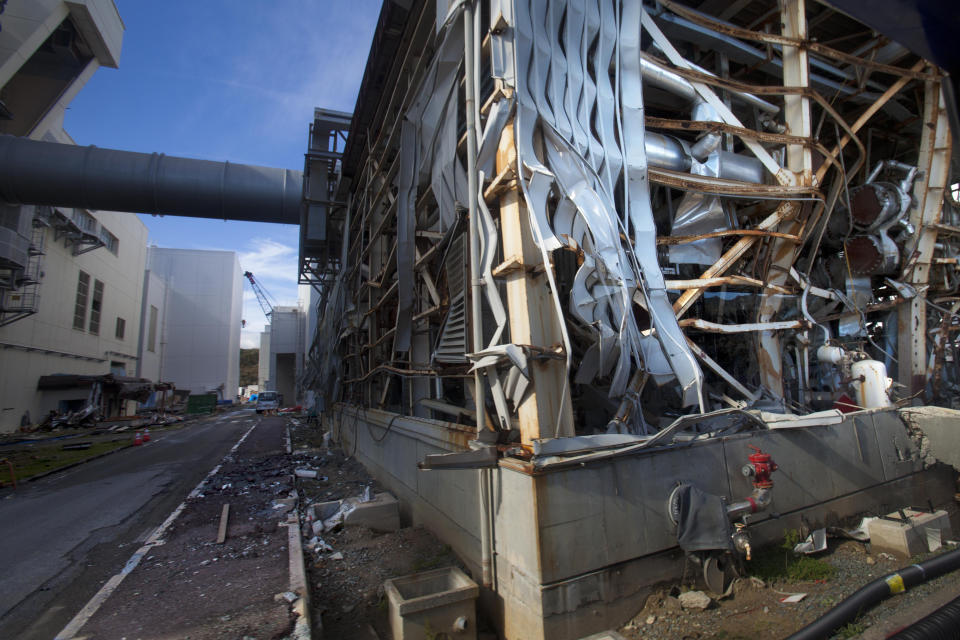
(877, 591)
(942, 624)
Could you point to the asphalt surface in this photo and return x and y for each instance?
(63, 536)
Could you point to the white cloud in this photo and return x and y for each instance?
(270, 260)
(274, 266)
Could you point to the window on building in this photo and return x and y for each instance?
(109, 240)
(80, 307)
(96, 306)
(121, 328)
(152, 330)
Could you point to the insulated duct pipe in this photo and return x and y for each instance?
(667, 152)
(64, 175)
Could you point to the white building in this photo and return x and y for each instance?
(287, 339)
(70, 279)
(197, 334)
(283, 345)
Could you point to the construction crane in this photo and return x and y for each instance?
(264, 298)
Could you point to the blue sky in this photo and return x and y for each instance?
(228, 80)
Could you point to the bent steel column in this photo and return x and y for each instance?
(796, 73)
(64, 175)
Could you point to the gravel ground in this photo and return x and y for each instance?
(754, 610)
(347, 582)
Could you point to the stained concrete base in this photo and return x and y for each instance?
(578, 549)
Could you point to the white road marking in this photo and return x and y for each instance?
(74, 626)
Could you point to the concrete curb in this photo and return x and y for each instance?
(302, 629)
(298, 580)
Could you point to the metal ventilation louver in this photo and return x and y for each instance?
(452, 346)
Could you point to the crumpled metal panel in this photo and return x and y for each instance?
(584, 162)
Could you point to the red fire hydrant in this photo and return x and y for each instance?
(760, 467)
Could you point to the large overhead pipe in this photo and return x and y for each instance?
(63, 175)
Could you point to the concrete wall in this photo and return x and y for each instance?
(202, 349)
(41, 97)
(578, 548)
(58, 347)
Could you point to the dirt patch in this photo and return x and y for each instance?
(190, 586)
(347, 583)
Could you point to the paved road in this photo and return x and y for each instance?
(63, 536)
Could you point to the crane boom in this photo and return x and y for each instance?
(261, 293)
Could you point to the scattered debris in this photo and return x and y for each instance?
(694, 600)
(815, 543)
(380, 513)
(77, 446)
(792, 598)
(224, 516)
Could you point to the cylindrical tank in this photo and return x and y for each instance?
(870, 384)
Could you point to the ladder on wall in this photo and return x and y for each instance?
(24, 300)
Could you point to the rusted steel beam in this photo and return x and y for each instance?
(796, 73)
(699, 283)
(928, 192)
(722, 186)
(728, 259)
(725, 233)
(787, 39)
(714, 327)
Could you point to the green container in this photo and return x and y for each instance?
(203, 403)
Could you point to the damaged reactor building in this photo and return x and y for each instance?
(607, 288)
(632, 281)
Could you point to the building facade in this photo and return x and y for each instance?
(198, 334)
(70, 279)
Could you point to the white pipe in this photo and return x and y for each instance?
(476, 319)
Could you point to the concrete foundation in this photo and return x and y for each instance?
(578, 549)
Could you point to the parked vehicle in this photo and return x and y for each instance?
(267, 401)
